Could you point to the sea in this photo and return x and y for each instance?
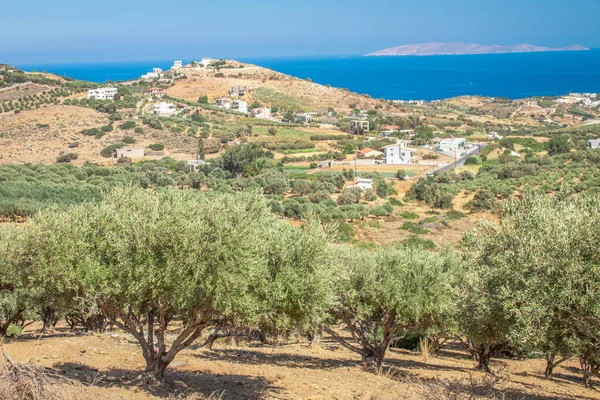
(514, 76)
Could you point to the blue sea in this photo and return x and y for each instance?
(405, 78)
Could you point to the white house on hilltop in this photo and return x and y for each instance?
(107, 93)
(177, 64)
(396, 154)
(262, 113)
(164, 109)
(206, 61)
(240, 106)
(223, 102)
(156, 73)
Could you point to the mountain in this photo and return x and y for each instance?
(435, 48)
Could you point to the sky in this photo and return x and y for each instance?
(63, 31)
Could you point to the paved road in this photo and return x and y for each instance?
(461, 161)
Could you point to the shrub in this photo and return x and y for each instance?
(417, 241)
(401, 175)
(272, 131)
(139, 130)
(156, 146)
(128, 140)
(473, 160)
(67, 158)
(414, 228)
(395, 202)
(73, 145)
(108, 150)
(124, 160)
(127, 125)
(430, 156)
(409, 215)
(454, 215)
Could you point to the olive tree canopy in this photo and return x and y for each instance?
(206, 259)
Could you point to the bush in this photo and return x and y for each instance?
(272, 131)
(124, 160)
(430, 156)
(73, 145)
(395, 202)
(401, 175)
(417, 241)
(156, 146)
(409, 215)
(108, 150)
(454, 215)
(414, 228)
(473, 160)
(14, 331)
(67, 158)
(127, 125)
(139, 130)
(128, 140)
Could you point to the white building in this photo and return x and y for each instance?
(206, 61)
(177, 64)
(451, 144)
(362, 184)
(304, 118)
(194, 164)
(262, 112)
(240, 106)
(156, 73)
(223, 102)
(107, 93)
(129, 152)
(396, 154)
(594, 144)
(165, 109)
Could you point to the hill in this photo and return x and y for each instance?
(435, 48)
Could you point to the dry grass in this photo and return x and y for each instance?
(29, 382)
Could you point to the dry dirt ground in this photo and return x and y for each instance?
(112, 362)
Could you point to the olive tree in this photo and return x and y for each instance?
(534, 279)
(381, 295)
(206, 260)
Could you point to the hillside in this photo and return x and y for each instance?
(435, 48)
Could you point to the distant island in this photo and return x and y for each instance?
(436, 48)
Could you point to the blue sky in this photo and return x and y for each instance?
(36, 31)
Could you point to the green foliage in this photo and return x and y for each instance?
(67, 158)
(127, 125)
(532, 280)
(415, 228)
(127, 254)
(558, 144)
(107, 152)
(247, 159)
(409, 215)
(156, 146)
(380, 294)
(417, 241)
(454, 215)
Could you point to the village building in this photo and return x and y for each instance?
(359, 125)
(156, 73)
(107, 93)
(194, 164)
(206, 61)
(304, 118)
(223, 102)
(396, 154)
(156, 92)
(129, 152)
(237, 91)
(362, 184)
(164, 109)
(262, 112)
(369, 152)
(177, 64)
(594, 144)
(452, 144)
(239, 106)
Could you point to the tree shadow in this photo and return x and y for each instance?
(176, 382)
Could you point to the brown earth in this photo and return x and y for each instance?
(112, 364)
